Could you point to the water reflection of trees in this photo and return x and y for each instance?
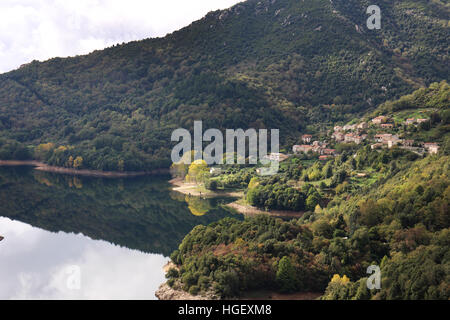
(139, 213)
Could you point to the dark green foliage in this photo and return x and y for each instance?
(399, 222)
(13, 150)
(286, 277)
(234, 257)
(276, 196)
(263, 64)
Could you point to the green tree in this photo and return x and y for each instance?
(286, 275)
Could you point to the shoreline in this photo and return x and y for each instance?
(40, 166)
(251, 211)
(165, 292)
(192, 189)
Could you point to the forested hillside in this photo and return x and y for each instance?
(272, 63)
(385, 207)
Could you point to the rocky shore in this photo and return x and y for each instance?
(165, 292)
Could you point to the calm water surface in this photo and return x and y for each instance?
(71, 237)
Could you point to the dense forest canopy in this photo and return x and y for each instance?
(280, 64)
(395, 216)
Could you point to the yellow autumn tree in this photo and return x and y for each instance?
(43, 150)
(78, 162)
(198, 171)
(61, 149)
(253, 183)
(337, 279)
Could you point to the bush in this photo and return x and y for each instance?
(211, 184)
(172, 273)
(194, 290)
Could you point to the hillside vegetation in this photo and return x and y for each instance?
(284, 64)
(395, 216)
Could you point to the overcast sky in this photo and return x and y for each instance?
(42, 29)
(40, 264)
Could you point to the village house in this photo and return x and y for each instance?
(393, 142)
(304, 148)
(350, 127)
(338, 136)
(379, 120)
(408, 143)
(352, 137)
(388, 139)
(376, 146)
(317, 149)
(276, 157)
(387, 125)
(363, 125)
(383, 137)
(324, 158)
(410, 121)
(431, 147)
(329, 152)
(338, 128)
(306, 138)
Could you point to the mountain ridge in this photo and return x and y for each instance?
(284, 64)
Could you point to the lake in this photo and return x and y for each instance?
(68, 237)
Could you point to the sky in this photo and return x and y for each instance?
(48, 265)
(43, 29)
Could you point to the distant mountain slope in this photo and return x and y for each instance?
(271, 63)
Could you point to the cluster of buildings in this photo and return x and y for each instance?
(386, 139)
(342, 134)
(390, 140)
(319, 147)
(385, 122)
(411, 121)
(356, 133)
(380, 120)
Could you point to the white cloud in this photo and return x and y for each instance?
(42, 29)
(35, 264)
